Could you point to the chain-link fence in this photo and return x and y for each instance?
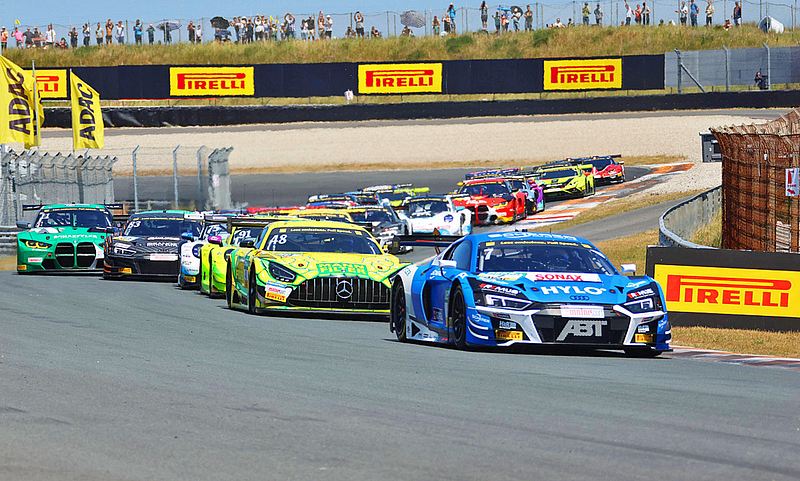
(468, 18)
(35, 178)
(187, 177)
(756, 213)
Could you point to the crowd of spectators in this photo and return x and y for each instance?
(243, 29)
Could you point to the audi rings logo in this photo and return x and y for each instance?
(579, 298)
(344, 289)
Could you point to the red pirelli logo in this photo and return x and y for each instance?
(211, 81)
(399, 78)
(583, 74)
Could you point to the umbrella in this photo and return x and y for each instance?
(516, 10)
(219, 22)
(503, 8)
(412, 18)
(769, 24)
(169, 25)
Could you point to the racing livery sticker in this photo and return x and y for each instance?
(735, 291)
(343, 269)
(52, 83)
(586, 74)
(211, 81)
(406, 78)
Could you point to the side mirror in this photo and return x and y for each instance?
(215, 239)
(23, 225)
(628, 269)
(187, 236)
(248, 243)
(444, 263)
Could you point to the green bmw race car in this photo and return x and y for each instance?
(64, 237)
(565, 182)
(310, 266)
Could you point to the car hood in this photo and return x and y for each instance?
(63, 234)
(481, 200)
(565, 288)
(559, 180)
(314, 264)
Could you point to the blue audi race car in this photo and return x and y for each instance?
(516, 288)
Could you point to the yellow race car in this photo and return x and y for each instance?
(311, 266)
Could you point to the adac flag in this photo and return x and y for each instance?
(18, 120)
(87, 118)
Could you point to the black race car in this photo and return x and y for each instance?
(148, 246)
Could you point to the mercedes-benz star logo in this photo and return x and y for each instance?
(344, 289)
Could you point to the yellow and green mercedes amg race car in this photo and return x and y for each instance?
(311, 266)
(215, 253)
(566, 181)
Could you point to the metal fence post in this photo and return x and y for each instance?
(769, 67)
(135, 182)
(727, 68)
(680, 67)
(175, 175)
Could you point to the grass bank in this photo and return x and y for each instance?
(568, 42)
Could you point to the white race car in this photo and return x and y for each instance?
(431, 214)
(189, 250)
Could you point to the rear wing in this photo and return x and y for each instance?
(253, 222)
(436, 241)
(492, 173)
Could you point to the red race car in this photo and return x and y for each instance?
(607, 168)
(492, 201)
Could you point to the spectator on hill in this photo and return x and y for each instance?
(515, 21)
(350, 33)
(683, 13)
(628, 13)
(727, 25)
(359, 18)
(638, 14)
(199, 33)
(694, 11)
(87, 35)
(50, 36)
(709, 13)
(451, 13)
(99, 32)
(498, 22)
(436, 26)
(321, 25)
(304, 29)
(19, 37)
(737, 14)
(3, 40)
(558, 24)
(585, 13)
(237, 26)
(62, 44)
(570, 23)
(504, 22)
(109, 31)
(29, 38)
(484, 16)
(120, 31)
(528, 19)
(645, 14)
(598, 15)
(406, 32)
(190, 30)
(73, 37)
(151, 34)
(329, 27)
(137, 32)
(374, 32)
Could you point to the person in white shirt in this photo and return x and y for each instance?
(199, 33)
(328, 27)
(50, 36)
(628, 14)
(120, 32)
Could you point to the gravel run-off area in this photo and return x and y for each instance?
(419, 144)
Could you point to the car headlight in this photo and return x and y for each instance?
(32, 244)
(500, 297)
(123, 250)
(643, 300)
(280, 273)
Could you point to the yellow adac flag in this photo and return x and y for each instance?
(87, 118)
(18, 121)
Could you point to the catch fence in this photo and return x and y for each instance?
(756, 213)
(34, 178)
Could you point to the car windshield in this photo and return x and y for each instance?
(333, 217)
(161, 227)
(601, 164)
(426, 208)
(517, 184)
(542, 256)
(242, 233)
(319, 239)
(214, 230)
(86, 218)
(490, 190)
(393, 196)
(372, 215)
(557, 174)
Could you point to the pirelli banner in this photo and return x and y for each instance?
(641, 72)
(724, 288)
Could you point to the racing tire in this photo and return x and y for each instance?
(457, 315)
(642, 353)
(229, 287)
(252, 293)
(397, 311)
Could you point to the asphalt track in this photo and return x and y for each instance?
(110, 380)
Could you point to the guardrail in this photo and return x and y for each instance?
(8, 240)
(683, 220)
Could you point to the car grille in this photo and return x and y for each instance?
(480, 213)
(65, 255)
(85, 254)
(331, 292)
(158, 268)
